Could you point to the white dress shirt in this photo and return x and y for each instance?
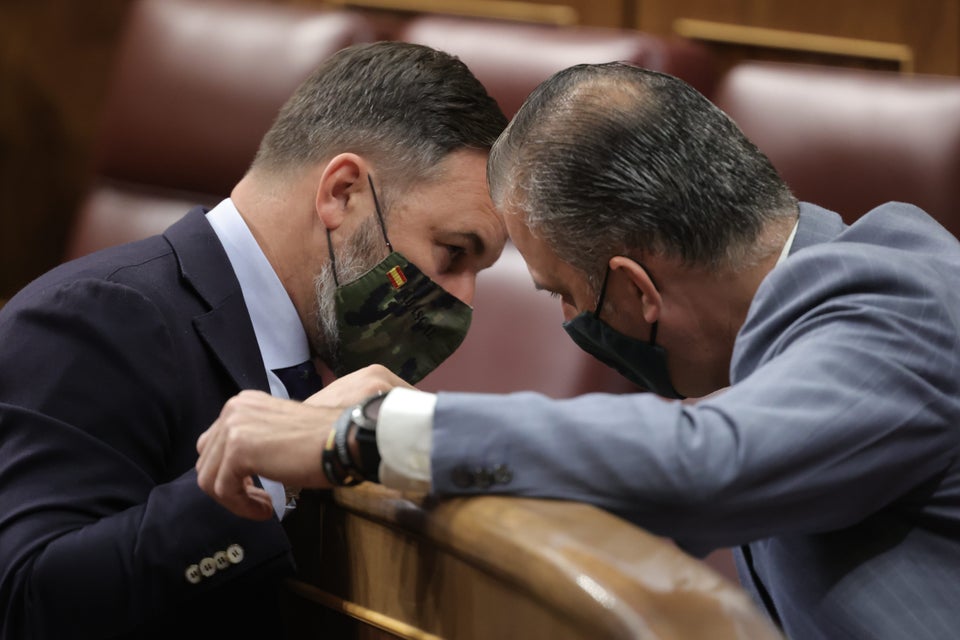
(405, 428)
(280, 334)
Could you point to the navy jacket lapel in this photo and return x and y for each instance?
(226, 327)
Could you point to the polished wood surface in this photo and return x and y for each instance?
(55, 58)
(761, 42)
(605, 13)
(861, 33)
(495, 567)
(555, 14)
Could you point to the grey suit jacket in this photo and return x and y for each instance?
(833, 454)
(110, 368)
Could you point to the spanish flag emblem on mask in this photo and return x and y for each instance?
(396, 277)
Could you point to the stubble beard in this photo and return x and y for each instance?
(360, 254)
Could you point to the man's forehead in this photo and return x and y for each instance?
(474, 224)
(544, 265)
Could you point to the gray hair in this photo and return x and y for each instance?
(404, 106)
(613, 159)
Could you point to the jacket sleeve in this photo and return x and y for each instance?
(845, 399)
(99, 518)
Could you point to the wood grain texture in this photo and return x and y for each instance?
(507, 568)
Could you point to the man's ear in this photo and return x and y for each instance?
(642, 286)
(344, 177)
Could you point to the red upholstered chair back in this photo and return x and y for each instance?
(849, 139)
(196, 86)
(516, 343)
(511, 59)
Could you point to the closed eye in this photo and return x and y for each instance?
(450, 257)
(562, 297)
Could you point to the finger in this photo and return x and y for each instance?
(257, 504)
(213, 442)
(387, 378)
(210, 459)
(201, 441)
(356, 386)
(249, 502)
(230, 487)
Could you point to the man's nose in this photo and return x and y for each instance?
(462, 285)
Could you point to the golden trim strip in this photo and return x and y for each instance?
(554, 14)
(795, 40)
(359, 612)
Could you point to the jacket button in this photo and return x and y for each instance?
(208, 567)
(235, 554)
(193, 574)
(221, 559)
(483, 478)
(502, 474)
(462, 477)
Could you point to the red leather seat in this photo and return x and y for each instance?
(511, 59)
(850, 139)
(196, 86)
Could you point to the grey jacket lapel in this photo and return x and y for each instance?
(226, 327)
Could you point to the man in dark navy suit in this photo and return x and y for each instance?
(111, 366)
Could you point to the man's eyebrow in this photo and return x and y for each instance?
(475, 242)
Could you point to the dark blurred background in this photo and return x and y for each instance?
(56, 57)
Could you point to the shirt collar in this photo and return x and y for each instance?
(280, 334)
(788, 244)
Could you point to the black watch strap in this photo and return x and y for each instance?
(365, 417)
(369, 454)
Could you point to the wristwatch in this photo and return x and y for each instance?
(363, 423)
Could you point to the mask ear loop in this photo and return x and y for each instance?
(603, 292)
(333, 261)
(383, 230)
(376, 204)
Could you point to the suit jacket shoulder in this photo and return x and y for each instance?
(110, 368)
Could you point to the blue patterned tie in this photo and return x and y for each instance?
(301, 380)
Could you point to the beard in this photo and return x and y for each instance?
(355, 258)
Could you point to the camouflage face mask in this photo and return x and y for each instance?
(396, 316)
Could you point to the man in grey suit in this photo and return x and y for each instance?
(826, 358)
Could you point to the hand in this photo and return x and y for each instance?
(258, 434)
(355, 387)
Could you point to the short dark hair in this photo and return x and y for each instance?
(405, 105)
(610, 158)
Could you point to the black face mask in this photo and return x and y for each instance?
(643, 363)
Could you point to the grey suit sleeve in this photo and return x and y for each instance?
(844, 401)
(100, 513)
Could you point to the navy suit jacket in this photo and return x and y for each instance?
(834, 454)
(111, 366)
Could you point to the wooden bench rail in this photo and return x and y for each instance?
(496, 567)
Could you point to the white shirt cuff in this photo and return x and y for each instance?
(405, 439)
